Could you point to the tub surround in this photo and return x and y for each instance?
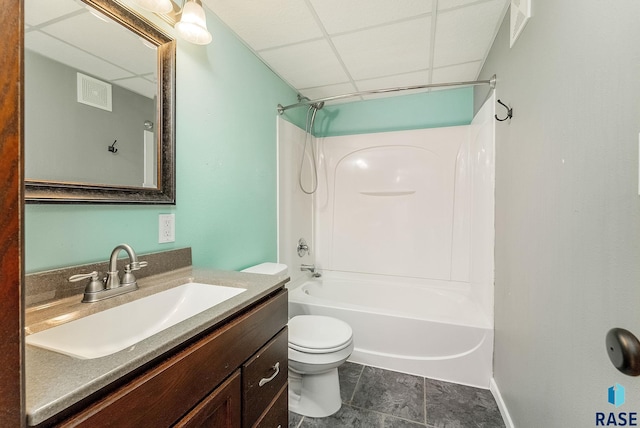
(54, 382)
(402, 231)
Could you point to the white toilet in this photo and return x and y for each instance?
(318, 345)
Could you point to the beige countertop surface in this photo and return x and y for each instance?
(55, 381)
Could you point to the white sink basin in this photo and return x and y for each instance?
(120, 327)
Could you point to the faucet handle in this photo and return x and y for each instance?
(79, 277)
(135, 266)
(95, 285)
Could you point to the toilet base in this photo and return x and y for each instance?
(314, 395)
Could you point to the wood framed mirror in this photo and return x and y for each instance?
(106, 132)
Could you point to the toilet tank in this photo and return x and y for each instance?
(268, 268)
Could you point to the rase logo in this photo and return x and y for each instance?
(616, 397)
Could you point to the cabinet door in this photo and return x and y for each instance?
(263, 376)
(220, 409)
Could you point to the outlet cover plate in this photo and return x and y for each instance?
(166, 228)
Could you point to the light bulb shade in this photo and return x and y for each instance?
(155, 6)
(193, 24)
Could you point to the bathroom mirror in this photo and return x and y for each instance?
(99, 105)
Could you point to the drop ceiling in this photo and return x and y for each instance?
(324, 48)
(65, 31)
(321, 48)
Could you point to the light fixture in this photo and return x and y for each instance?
(193, 24)
(155, 6)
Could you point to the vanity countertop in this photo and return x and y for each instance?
(55, 381)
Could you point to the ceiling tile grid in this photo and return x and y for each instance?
(65, 31)
(464, 34)
(44, 44)
(306, 65)
(324, 48)
(269, 23)
(88, 34)
(387, 50)
(41, 11)
(340, 16)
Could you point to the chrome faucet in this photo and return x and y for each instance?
(113, 279)
(312, 269)
(111, 285)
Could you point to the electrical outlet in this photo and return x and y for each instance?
(166, 228)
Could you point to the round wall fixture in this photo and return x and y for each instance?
(303, 248)
(623, 349)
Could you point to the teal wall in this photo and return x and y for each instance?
(426, 110)
(226, 163)
(226, 172)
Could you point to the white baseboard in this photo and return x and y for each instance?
(506, 417)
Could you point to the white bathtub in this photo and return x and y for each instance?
(430, 329)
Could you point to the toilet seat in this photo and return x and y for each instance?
(316, 334)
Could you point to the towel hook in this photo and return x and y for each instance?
(112, 147)
(509, 112)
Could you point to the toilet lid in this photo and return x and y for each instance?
(318, 334)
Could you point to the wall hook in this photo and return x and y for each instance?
(112, 148)
(509, 112)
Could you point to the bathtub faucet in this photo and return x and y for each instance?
(312, 269)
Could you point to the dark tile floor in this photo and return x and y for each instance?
(377, 398)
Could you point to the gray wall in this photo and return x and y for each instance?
(567, 208)
(67, 141)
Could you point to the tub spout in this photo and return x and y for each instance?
(312, 269)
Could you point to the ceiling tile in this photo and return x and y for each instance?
(306, 65)
(464, 35)
(89, 33)
(339, 16)
(328, 91)
(387, 50)
(406, 79)
(61, 52)
(267, 23)
(449, 4)
(456, 73)
(138, 85)
(37, 12)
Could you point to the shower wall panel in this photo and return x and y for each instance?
(295, 208)
(387, 204)
(482, 199)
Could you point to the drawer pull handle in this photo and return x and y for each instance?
(269, 379)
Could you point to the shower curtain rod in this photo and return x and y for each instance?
(491, 82)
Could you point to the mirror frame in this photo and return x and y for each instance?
(37, 191)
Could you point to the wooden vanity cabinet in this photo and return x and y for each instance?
(235, 376)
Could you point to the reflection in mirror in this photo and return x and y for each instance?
(99, 109)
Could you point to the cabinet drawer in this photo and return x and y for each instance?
(277, 416)
(162, 395)
(263, 376)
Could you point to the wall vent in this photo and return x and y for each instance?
(94, 92)
(520, 14)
